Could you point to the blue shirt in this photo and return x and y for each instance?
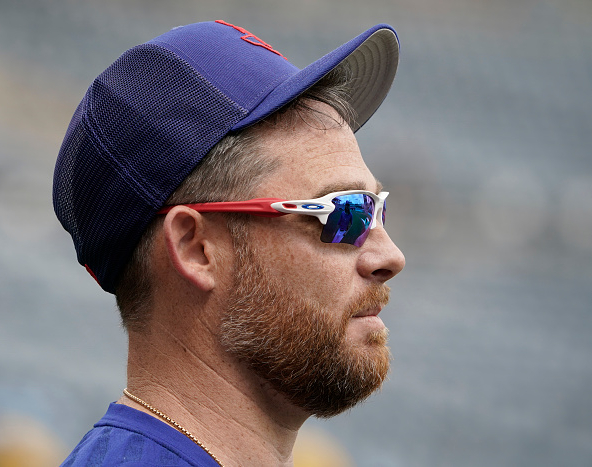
(126, 436)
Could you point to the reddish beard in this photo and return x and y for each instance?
(300, 347)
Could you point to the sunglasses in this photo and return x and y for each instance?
(347, 216)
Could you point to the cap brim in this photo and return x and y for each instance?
(373, 58)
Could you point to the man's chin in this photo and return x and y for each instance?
(367, 330)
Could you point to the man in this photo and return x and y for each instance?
(345, 222)
(196, 179)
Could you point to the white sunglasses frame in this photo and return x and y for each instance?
(323, 206)
(320, 208)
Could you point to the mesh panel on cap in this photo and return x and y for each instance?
(140, 130)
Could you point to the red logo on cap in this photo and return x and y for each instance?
(252, 38)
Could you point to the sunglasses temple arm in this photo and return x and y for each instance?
(256, 207)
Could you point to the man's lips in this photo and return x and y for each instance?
(368, 312)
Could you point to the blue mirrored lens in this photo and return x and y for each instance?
(383, 211)
(350, 220)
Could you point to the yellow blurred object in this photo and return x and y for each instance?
(316, 448)
(26, 443)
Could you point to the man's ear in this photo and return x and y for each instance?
(189, 248)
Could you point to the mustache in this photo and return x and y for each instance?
(377, 296)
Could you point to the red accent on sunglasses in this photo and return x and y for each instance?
(256, 207)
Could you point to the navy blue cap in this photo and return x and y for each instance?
(150, 117)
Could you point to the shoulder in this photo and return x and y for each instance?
(109, 446)
(125, 436)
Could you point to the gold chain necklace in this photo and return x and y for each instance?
(172, 422)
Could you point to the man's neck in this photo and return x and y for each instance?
(233, 413)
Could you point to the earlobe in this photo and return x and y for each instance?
(188, 247)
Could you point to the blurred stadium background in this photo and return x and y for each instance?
(485, 144)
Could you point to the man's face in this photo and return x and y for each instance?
(302, 313)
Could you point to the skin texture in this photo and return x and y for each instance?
(183, 366)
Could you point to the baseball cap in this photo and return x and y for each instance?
(151, 116)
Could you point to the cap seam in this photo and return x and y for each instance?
(179, 55)
(123, 170)
(168, 47)
(128, 172)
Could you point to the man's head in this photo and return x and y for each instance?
(303, 313)
(149, 119)
(183, 120)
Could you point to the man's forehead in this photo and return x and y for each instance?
(319, 176)
(313, 160)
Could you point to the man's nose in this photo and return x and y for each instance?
(382, 260)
